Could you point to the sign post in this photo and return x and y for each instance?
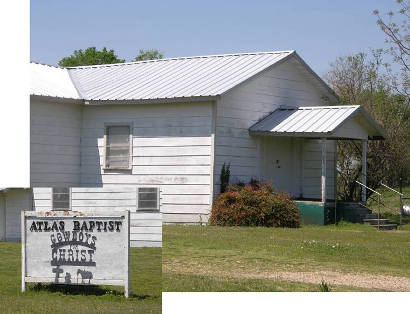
(76, 248)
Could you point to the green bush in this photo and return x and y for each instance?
(254, 205)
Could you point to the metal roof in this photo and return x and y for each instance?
(46, 80)
(311, 121)
(154, 79)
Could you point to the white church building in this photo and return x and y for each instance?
(151, 136)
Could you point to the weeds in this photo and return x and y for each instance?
(323, 287)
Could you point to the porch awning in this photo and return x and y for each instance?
(344, 122)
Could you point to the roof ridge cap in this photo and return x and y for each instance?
(180, 58)
(329, 106)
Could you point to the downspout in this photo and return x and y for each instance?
(323, 177)
(80, 169)
(364, 169)
(335, 179)
(212, 162)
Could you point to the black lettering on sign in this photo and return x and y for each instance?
(83, 255)
(99, 223)
(84, 226)
(66, 235)
(33, 226)
(92, 225)
(93, 239)
(40, 225)
(46, 226)
(55, 226)
(74, 247)
(68, 252)
(89, 226)
(76, 225)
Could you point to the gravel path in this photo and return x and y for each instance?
(367, 281)
(362, 280)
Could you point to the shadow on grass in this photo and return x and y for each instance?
(84, 290)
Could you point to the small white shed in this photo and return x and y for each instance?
(172, 123)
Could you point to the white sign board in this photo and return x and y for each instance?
(75, 248)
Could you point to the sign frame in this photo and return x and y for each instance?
(61, 215)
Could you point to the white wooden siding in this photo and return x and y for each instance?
(186, 218)
(14, 202)
(352, 129)
(146, 227)
(312, 165)
(171, 149)
(286, 84)
(55, 144)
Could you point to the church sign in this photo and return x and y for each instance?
(75, 248)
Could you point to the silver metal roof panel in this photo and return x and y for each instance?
(188, 77)
(311, 121)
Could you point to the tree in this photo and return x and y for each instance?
(90, 56)
(396, 27)
(148, 54)
(363, 80)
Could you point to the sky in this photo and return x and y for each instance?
(320, 31)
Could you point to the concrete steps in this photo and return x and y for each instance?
(375, 221)
(382, 223)
(355, 212)
(388, 227)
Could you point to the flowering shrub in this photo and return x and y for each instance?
(254, 205)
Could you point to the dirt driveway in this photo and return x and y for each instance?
(361, 280)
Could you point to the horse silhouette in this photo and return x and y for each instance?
(84, 275)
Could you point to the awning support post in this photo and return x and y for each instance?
(323, 178)
(364, 169)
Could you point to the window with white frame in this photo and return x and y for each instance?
(148, 198)
(61, 199)
(118, 147)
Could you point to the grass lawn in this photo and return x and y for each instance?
(145, 288)
(199, 258)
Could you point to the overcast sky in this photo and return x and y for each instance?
(318, 30)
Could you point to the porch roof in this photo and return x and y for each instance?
(351, 122)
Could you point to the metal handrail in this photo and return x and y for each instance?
(391, 189)
(378, 202)
(401, 199)
(368, 187)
